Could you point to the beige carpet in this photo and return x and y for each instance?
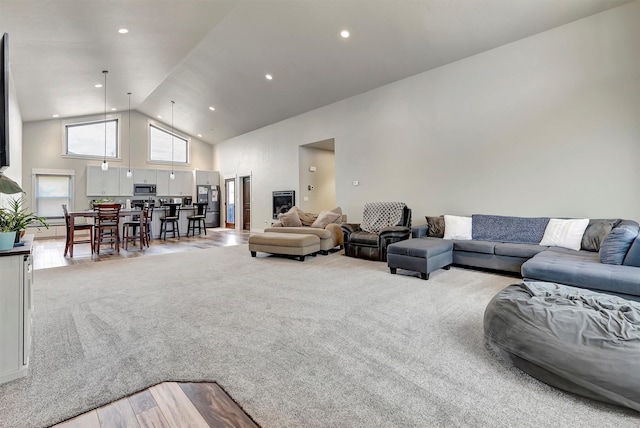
(332, 341)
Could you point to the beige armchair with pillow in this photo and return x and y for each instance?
(325, 225)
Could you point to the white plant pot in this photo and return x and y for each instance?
(6, 240)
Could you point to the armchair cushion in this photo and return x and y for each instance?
(378, 215)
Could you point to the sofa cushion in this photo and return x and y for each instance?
(615, 245)
(473, 246)
(435, 226)
(456, 227)
(325, 218)
(582, 269)
(633, 255)
(527, 230)
(290, 219)
(306, 219)
(518, 250)
(566, 233)
(596, 232)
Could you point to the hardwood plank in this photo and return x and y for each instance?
(118, 414)
(152, 418)
(176, 406)
(142, 401)
(86, 420)
(215, 406)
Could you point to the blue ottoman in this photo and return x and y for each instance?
(574, 339)
(422, 255)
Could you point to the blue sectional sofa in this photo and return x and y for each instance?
(608, 261)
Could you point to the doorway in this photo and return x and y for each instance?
(246, 203)
(230, 203)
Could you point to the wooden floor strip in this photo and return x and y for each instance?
(118, 414)
(176, 406)
(86, 420)
(215, 406)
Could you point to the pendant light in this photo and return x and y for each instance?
(172, 176)
(129, 173)
(105, 164)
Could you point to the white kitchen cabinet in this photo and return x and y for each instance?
(103, 183)
(16, 304)
(210, 178)
(126, 183)
(145, 176)
(184, 183)
(162, 188)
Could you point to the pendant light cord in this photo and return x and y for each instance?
(105, 115)
(129, 94)
(172, 103)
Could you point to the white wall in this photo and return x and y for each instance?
(548, 125)
(43, 146)
(323, 180)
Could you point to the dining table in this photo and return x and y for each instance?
(92, 214)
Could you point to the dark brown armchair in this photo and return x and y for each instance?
(382, 224)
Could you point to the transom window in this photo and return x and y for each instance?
(162, 141)
(87, 139)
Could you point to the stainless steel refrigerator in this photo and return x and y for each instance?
(210, 195)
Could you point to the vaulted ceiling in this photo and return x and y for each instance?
(216, 53)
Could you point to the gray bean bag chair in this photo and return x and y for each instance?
(574, 339)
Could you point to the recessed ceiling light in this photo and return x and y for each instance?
(199, 135)
(159, 117)
(98, 85)
(211, 108)
(345, 34)
(268, 77)
(123, 31)
(55, 115)
(114, 109)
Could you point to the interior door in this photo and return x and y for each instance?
(230, 203)
(246, 203)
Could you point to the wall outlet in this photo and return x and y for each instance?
(356, 183)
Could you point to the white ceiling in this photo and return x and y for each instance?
(204, 53)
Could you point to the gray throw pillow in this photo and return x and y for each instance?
(436, 226)
(596, 231)
(615, 245)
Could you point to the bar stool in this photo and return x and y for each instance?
(107, 227)
(172, 218)
(197, 220)
(68, 246)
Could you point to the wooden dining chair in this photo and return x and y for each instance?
(136, 228)
(107, 226)
(82, 239)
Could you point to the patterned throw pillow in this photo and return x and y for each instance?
(290, 219)
(436, 226)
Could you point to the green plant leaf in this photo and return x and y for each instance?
(8, 186)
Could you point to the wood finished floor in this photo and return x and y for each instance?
(48, 253)
(169, 404)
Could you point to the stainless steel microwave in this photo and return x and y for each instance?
(144, 189)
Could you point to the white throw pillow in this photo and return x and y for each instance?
(565, 233)
(456, 227)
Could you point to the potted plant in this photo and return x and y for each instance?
(18, 218)
(7, 235)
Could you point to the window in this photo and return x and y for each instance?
(87, 139)
(160, 142)
(51, 192)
